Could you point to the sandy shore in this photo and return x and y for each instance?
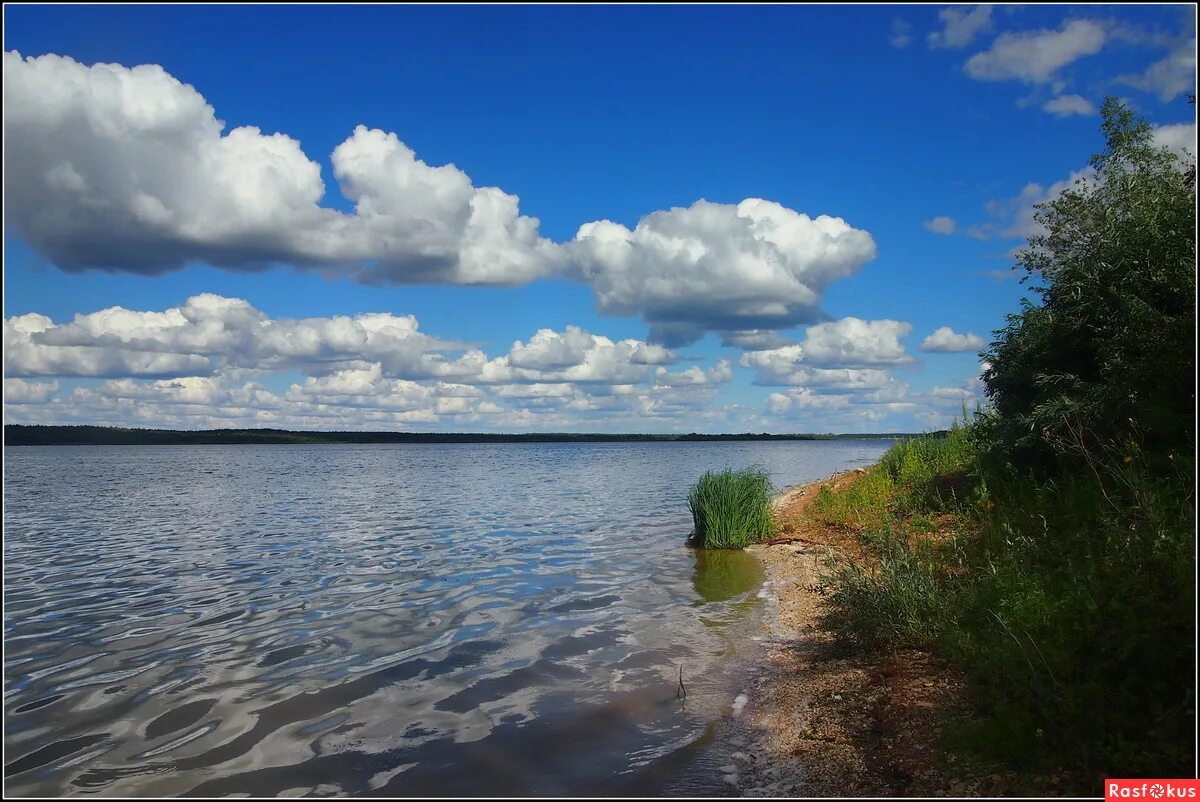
(825, 720)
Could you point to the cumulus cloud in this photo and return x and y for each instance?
(1068, 105)
(129, 169)
(960, 26)
(211, 333)
(724, 267)
(208, 362)
(941, 225)
(1035, 57)
(575, 355)
(694, 376)
(901, 36)
(803, 398)
(947, 341)
(846, 343)
(19, 391)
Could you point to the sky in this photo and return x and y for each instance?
(542, 218)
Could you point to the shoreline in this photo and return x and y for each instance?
(824, 719)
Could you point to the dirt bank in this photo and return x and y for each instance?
(825, 720)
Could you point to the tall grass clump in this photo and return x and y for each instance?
(731, 509)
(935, 471)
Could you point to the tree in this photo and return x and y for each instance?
(1108, 354)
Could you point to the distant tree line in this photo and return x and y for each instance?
(20, 435)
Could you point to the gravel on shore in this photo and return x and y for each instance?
(824, 719)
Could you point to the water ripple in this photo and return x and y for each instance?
(412, 619)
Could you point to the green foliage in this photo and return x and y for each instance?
(900, 602)
(731, 509)
(1070, 608)
(864, 504)
(933, 472)
(1109, 350)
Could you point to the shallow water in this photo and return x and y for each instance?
(379, 619)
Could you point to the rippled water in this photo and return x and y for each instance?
(382, 619)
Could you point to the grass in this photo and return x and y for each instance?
(1067, 603)
(731, 509)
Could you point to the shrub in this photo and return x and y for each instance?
(901, 602)
(731, 509)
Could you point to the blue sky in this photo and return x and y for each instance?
(923, 133)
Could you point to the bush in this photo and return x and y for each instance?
(901, 602)
(1110, 349)
(731, 509)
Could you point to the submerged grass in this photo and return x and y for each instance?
(731, 509)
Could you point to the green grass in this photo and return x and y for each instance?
(1066, 602)
(731, 509)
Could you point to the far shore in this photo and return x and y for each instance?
(22, 435)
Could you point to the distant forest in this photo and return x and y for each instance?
(17, 435)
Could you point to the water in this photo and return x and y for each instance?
(380, 619)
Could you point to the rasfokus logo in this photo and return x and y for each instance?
(1151, 789)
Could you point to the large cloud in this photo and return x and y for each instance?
(210, 333)
(723, 267)
(844, 352)
(208, 363)
(19, 391)
(129, 169)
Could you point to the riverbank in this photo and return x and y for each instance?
(826, 719)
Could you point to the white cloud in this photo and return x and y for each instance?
(947, 341)
(802, 398)
(694, 376)
(209, 360)
(901, 36)
(1170, 77)
(839, 357)
(129, 169)
(1180, 138)
(723, 267)
(19, 391)
(1036, 56)
(23, 356)
(941, 225)
(960, 26)
(855, 342)
(1067, 105)
(211, 333)
(754, 339)
(575, 355)
(1014, 217)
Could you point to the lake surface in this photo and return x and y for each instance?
(380, 619)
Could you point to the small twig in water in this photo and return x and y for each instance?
(681, 691)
